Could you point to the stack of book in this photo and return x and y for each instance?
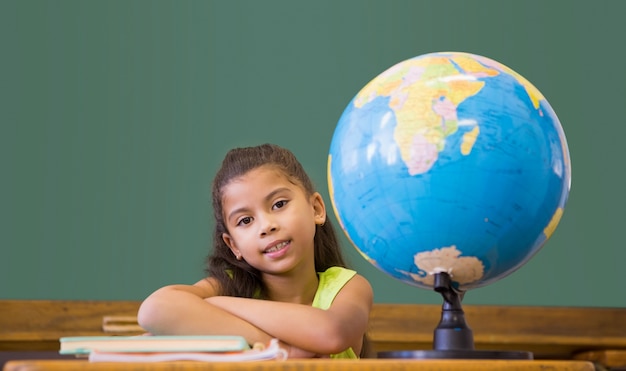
(168, 348)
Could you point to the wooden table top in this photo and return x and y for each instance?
(308, 365)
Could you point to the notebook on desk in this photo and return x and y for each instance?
(84, 345)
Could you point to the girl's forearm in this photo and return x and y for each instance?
(309, 328)
(177, 312)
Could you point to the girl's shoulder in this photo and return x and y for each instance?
(334, 281)
(340, 276)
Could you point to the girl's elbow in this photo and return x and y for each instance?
(151, 315)
(146, 315)
(335, 340)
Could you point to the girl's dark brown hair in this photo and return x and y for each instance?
(236, 277)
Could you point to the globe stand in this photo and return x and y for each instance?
(452, 338)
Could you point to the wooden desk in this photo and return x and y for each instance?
(550, 333)
(308, 365)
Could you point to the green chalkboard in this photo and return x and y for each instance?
(115, 115)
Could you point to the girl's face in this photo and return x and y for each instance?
(271, 221)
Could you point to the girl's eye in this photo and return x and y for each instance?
(280, 204)
(245, 220)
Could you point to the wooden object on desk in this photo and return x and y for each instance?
(121, 325)
(309, 365)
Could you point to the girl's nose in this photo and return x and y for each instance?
(268, 225)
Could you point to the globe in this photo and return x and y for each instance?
(449, 162)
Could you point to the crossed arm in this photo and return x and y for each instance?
(197, 309)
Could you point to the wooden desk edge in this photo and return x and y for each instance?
(309, 365)
(606, 357)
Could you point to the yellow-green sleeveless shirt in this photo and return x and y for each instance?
(331, 282)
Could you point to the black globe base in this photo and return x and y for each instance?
(452, 338)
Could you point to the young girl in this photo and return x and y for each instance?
(276, 270)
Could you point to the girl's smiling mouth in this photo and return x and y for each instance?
(277, 247)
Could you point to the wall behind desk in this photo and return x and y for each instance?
(116, 114)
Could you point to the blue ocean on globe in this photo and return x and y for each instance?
(449, 162)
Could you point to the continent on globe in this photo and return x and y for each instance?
(426, 109)
(462, 269)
